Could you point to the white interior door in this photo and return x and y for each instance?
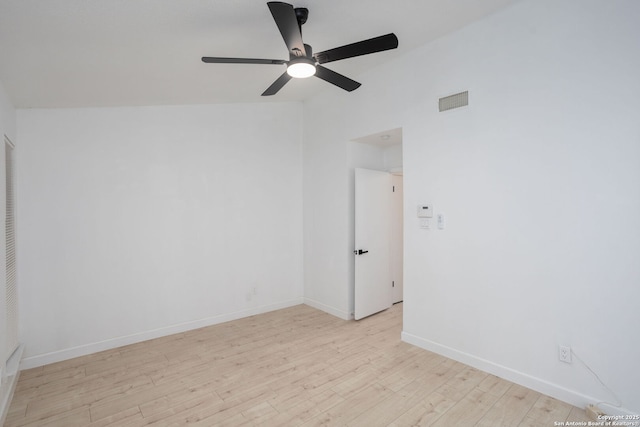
(373, 291)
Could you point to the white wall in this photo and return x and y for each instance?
(139, 222)
(393, 157)
(538, 178)
(326, 238)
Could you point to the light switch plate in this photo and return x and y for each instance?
(425, 211)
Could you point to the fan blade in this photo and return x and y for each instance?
(277, 85)
(365, 47)
(215, 60)
(337, 79)
(287, 23)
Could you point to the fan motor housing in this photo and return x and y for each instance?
(302, 13)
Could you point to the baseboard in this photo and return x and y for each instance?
(328, 309)
(571, 397)
(8, 387)
(70, 353)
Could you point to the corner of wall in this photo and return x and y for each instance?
(328, 309)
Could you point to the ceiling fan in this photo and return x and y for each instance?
(302, 61)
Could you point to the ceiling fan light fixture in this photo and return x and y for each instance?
(301, 68)
(302, 61)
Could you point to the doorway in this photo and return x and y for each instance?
(381, 155)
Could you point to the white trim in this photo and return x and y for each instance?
(328, 309)
(571, 397)
(83, 350)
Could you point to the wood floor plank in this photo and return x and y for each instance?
(290, 367)
(425, 413)
(306, 406)
(460, 385)
(468, 410)
(73, 417)
(119, 418)
(176, 398)
(511, 409)
(495, 385)
(221, 412)
(354, 383)
(421, 404)
(346, 411)
(411, 395)
(546, 411)
(174, 415)
(259, 413)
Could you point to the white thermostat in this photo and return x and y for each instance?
(425, 211)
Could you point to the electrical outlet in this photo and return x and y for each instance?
(564, 353)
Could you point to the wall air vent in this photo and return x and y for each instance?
(454, 101)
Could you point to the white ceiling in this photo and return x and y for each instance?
(384, 139)
(83, 53)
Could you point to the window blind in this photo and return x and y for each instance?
(11, 285)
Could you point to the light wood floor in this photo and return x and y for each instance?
(297, 366)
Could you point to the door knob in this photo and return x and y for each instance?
(360, 252)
